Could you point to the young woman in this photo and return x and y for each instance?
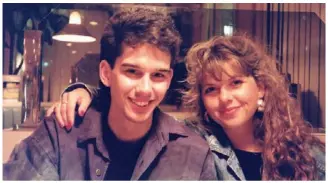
(250, 120)
(244, 111)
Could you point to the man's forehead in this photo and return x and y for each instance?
(144, 56)
(140, 66)
(142, 47)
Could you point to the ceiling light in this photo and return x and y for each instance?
(74, 31)
(93, 23)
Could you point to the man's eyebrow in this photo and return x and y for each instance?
(137, 67)
(164, 70)
(130, 65)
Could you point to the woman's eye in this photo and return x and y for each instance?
(236, 82)
(208, 90)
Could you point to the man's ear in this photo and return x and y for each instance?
(170, 76)
(105, 73)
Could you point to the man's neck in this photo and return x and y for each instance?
(125, 129)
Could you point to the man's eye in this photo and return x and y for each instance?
(131, 71)
(159, 75)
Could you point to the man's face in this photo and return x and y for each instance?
(139, 81)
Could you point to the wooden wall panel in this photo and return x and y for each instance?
(321, 74)
(314, 70)
(6, 53)
(306, 68)
(301, 48)
(285, 38)
(274, 31)
(295, 48)
(290, 42)
(296, 34)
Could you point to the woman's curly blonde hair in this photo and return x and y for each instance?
(280, 129)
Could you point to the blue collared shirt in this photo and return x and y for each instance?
(226, 161)
(172, 152)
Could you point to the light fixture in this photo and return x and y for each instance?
(93, 23)
(74, 31)
(228, 30)
(45, 64)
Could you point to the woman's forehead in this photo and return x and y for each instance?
(222, 70)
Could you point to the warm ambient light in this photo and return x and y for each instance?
(93, 23)
(74, 31)
(228, 30)
(75, 18)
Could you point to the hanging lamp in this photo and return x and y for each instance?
(74, 31)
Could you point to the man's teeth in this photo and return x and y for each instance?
(141, 104)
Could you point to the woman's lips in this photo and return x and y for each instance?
(228, 111)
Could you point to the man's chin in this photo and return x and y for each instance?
(139, 117)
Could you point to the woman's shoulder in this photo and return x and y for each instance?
(318, 153)
(195, 126)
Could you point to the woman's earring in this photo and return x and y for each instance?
(260, 105)
(206, 117)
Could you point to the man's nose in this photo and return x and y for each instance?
(144, 86)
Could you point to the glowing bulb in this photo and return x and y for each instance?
(227, 30)
(93, 23)
(75, 18)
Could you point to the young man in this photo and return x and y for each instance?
(123, 136)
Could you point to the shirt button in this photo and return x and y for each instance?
(98, 172)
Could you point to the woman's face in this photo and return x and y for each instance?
(232, 99)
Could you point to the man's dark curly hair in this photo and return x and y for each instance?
(134, 26)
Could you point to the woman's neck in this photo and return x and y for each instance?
(242, 138)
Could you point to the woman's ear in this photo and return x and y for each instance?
(261, 90)
(105, 73)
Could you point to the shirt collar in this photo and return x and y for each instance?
(218, 142)
(222, 145)
(91, 125)
(167, 125)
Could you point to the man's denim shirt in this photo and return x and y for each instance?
(172, 152)
(227, 164)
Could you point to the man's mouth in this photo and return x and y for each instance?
(140, 103)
